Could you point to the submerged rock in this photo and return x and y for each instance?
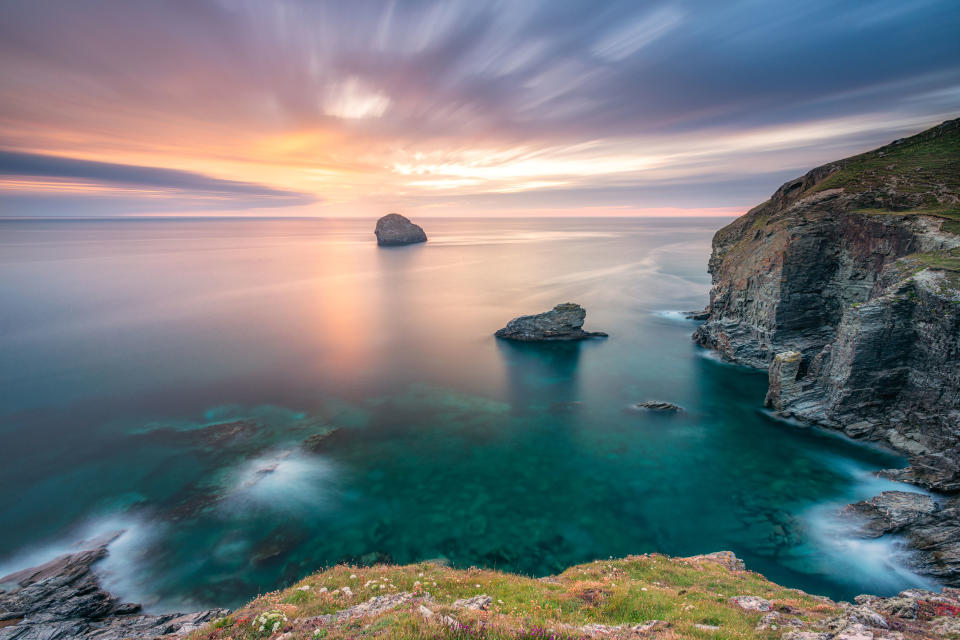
(324, 440)
(63, 599)
(659, 405)
(394, 229)
(563, 322)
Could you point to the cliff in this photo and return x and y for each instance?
(846, 285)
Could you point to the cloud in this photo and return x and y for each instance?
(158, 188)
(338, 97)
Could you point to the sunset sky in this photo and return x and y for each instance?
(353, 108)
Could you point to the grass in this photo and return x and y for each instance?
(633, 590)
(950, 215)
(921, 164)
(947, 262)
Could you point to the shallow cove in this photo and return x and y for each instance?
(159, 375)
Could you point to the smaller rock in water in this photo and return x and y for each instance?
(659, 405)
(563, 322)
(395, 230)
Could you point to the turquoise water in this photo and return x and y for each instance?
(159, 376)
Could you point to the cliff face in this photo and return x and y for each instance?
(846, 284)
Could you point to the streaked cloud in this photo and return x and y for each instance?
(333, 108)
(140, 188)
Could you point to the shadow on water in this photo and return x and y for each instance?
(541, 374)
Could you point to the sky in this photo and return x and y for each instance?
(474, 108)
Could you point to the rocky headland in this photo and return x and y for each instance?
(845, 285)
(395, 230)
(563, 322)
(63, 599)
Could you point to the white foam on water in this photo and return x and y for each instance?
(679, 317)
(120, 572)
(283, 481)
(77, 539)
(882, 562)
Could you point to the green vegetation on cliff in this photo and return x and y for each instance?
(672, 595)
(916, 175)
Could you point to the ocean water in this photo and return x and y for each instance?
(159, 376)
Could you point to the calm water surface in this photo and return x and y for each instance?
(159, 377)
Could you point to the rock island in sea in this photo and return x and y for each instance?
(563, 322)
(394, 230)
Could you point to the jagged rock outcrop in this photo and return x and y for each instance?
(394, 230)
(63, 599)
(846, 284)
(930, 530)
(563, 322)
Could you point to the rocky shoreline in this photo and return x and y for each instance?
(845, 285)
(63, 599)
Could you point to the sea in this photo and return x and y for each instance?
(159, 378)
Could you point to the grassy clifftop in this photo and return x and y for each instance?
(648, 596)
(925, 164)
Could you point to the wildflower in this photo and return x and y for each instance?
(353, 576)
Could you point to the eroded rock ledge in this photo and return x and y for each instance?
(63, 599)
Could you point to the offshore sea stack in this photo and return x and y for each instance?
(395, 230)
(563, 322)
(846, 286)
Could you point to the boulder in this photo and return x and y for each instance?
(476, 603)
(751, 603)
(563, 322)
(394, 230)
